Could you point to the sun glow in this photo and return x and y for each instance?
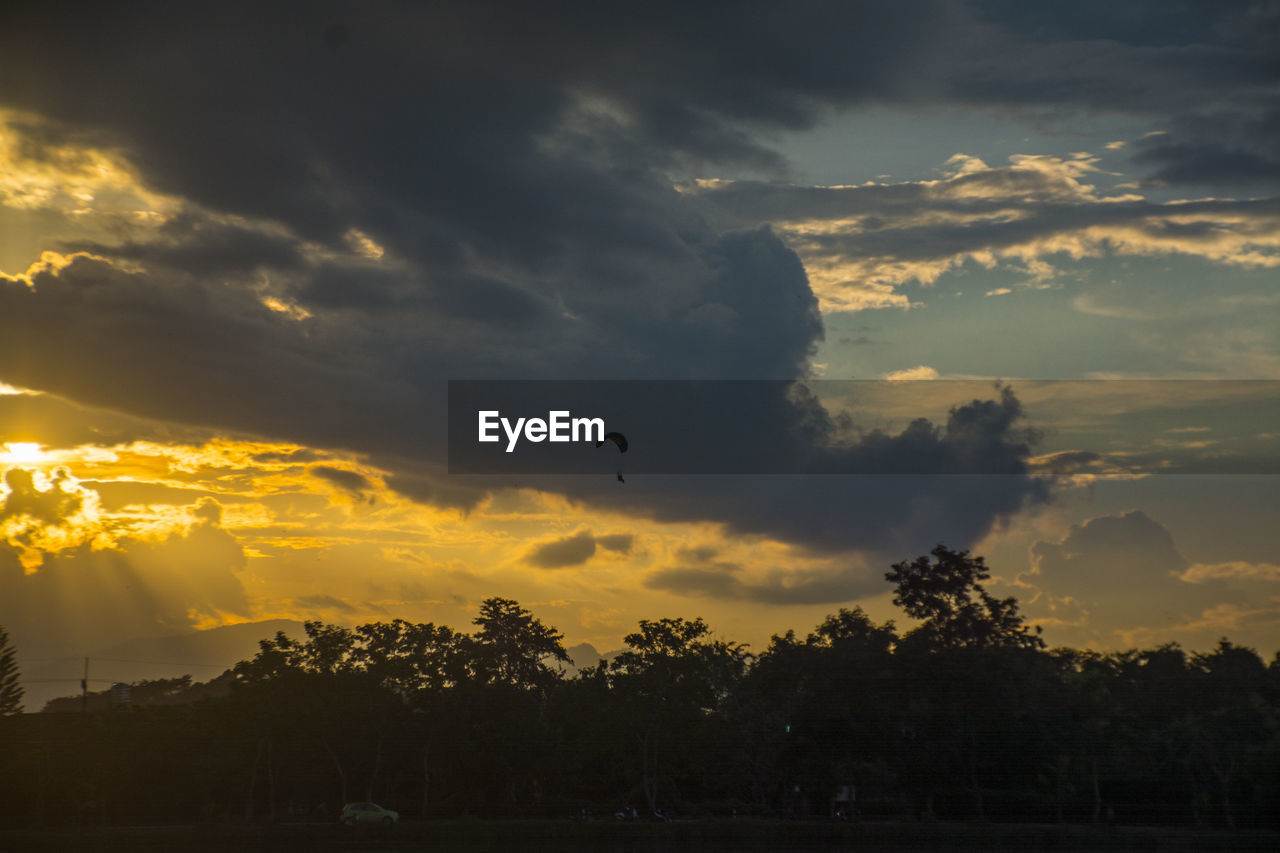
(22, 453)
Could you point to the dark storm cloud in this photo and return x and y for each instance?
(708, 582)
(620, 543)
(559, 553)
(1147, 23)
(350, 481)
(274, 376)
(191, 350)
(1141, 58)
(964, 476)
(295, 131)
(1119, 553)
(1235, 149)
(192, 242)
(1205, 71)
(58, 422)
(698, 573)
(1123, 571)
(300, 456)
(514, 163)
(794, 587)
(1210, 68)
(696, 554)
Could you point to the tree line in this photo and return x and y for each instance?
(966, 715)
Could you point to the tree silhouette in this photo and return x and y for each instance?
(10, 688)
(853, 632)
(1232, 724)
(412, 659)
(677, 681)
(964, 716)
(966, 633)
(948, 595)
(512, 645)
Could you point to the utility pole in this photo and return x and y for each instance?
(84, 689)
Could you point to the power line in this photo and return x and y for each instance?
(60, 680)
(85, 679)
(155, 662)
(164, 662)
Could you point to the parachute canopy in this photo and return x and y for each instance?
(617, 438)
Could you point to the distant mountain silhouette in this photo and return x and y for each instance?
(584, 655)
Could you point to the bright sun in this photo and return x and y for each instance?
(22, 452)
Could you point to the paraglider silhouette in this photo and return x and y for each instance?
(618, 439)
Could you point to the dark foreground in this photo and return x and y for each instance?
(719, 836)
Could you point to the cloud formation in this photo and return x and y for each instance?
(702, 573)
(106, 588)
(571, 551)
(370, 202)
(351, 481)
(1125, 571)
(577, 549)
(862, 244)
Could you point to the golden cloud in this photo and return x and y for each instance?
(73, 179)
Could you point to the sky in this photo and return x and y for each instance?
(245, 247)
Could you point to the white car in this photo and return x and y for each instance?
(357, 813)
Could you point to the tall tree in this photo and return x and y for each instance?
(957, 611)
(675, 683)
(1233, 725)
(965, 634)
(513, 646)
(410, 658)
(10, 688)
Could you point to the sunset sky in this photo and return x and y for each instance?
(243, 248)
